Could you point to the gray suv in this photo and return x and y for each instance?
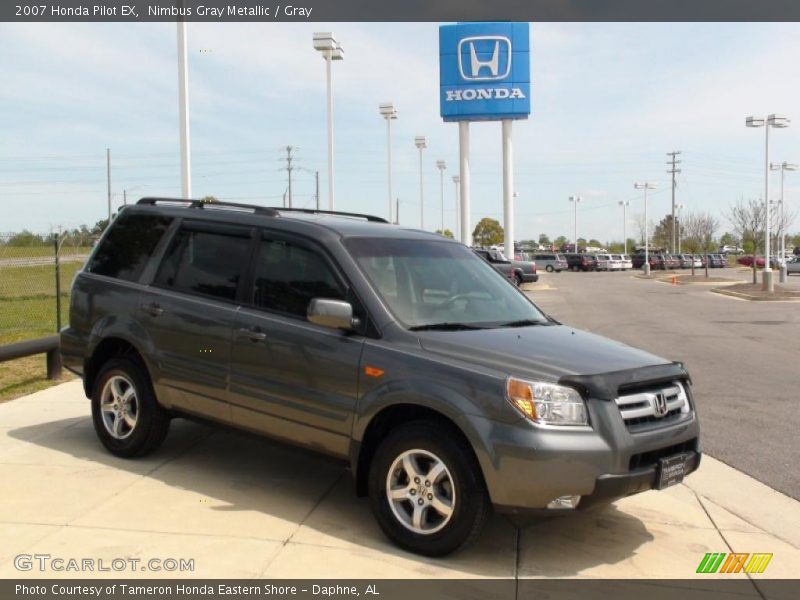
(401, 352)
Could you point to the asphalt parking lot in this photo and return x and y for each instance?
(742, 356)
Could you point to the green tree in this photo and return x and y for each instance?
(27, 239)
(662, 234)
(488, 232)
(544, 239)
(560, 242)
(447, 233)
(728, 239)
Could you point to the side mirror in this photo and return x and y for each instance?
(335, 314)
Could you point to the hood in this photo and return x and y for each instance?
(553, 353)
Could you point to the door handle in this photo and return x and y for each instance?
(254, 335)
(153, 309)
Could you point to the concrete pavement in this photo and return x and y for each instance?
(241, 506)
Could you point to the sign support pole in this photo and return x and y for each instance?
(463, 161)
(508, 189)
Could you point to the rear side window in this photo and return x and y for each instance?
(205, 263)
(126, 248)
(288, 276)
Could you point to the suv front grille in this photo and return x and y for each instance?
(646, 410)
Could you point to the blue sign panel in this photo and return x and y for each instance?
(484, 71)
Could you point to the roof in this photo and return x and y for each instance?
(341, 224)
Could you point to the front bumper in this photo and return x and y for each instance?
(526, 467)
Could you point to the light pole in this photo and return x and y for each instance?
(779, 122)
(456, 181)
(421, 143)
(575, 200)
(625, 204)
(183, 112)
(331, 50)
(679, 208)
(784, 166)
(646, 186)
(441, 165)
(388, 112)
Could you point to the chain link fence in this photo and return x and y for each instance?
(36, 272)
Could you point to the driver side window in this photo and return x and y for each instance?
(289, 275)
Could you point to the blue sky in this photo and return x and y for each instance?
(609, 101)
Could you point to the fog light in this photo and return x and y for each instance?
(564, 502)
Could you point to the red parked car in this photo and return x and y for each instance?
(747, 261)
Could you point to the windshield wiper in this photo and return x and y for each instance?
(444, 327)
(523, 323)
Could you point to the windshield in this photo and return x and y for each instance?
(432, 284)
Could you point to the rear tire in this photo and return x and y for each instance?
(518, 279)
(412, 520)
(126, 415)
(549, 268)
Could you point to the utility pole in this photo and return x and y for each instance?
(289, 168)
(674, 162)
(397, 211)
(108, 178)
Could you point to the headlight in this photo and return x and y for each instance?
(547, 403)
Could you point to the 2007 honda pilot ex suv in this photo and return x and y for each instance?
(447, 390)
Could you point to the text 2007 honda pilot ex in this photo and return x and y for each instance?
(400, 351)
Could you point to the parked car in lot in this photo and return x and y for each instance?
(716, 261)
(606, 262)
(793, 265)
(397, 351)
(687, 260)
(550, 262)
(671, 261)
(517, 271)
(730, 250)
(624, 261)
(747, 261)
(580, 262)
(656, 261)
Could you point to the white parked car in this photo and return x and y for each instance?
(624, 261)
(606, 262)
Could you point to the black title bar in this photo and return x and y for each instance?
(401, 11)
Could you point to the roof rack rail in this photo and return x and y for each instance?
(315, 211)
(259, 210)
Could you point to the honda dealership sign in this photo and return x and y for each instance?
(484, 71)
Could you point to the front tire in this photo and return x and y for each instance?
(549, 268)
(126, 415)
(426, 489)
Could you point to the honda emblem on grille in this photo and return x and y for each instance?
(659, 404)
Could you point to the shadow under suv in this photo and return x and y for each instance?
(399, 351)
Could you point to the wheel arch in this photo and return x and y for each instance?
(390, 417)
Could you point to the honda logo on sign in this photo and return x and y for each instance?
(484, 58)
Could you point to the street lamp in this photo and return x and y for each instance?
(388, 112)
(784, 166)
(575, 200)
(679, 208)
(625, 204)
(646, 186)
(441, 165)
(421, 143)
(331, 50)
(780, 122)
(456, 181)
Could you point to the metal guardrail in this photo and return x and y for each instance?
(46, 345)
